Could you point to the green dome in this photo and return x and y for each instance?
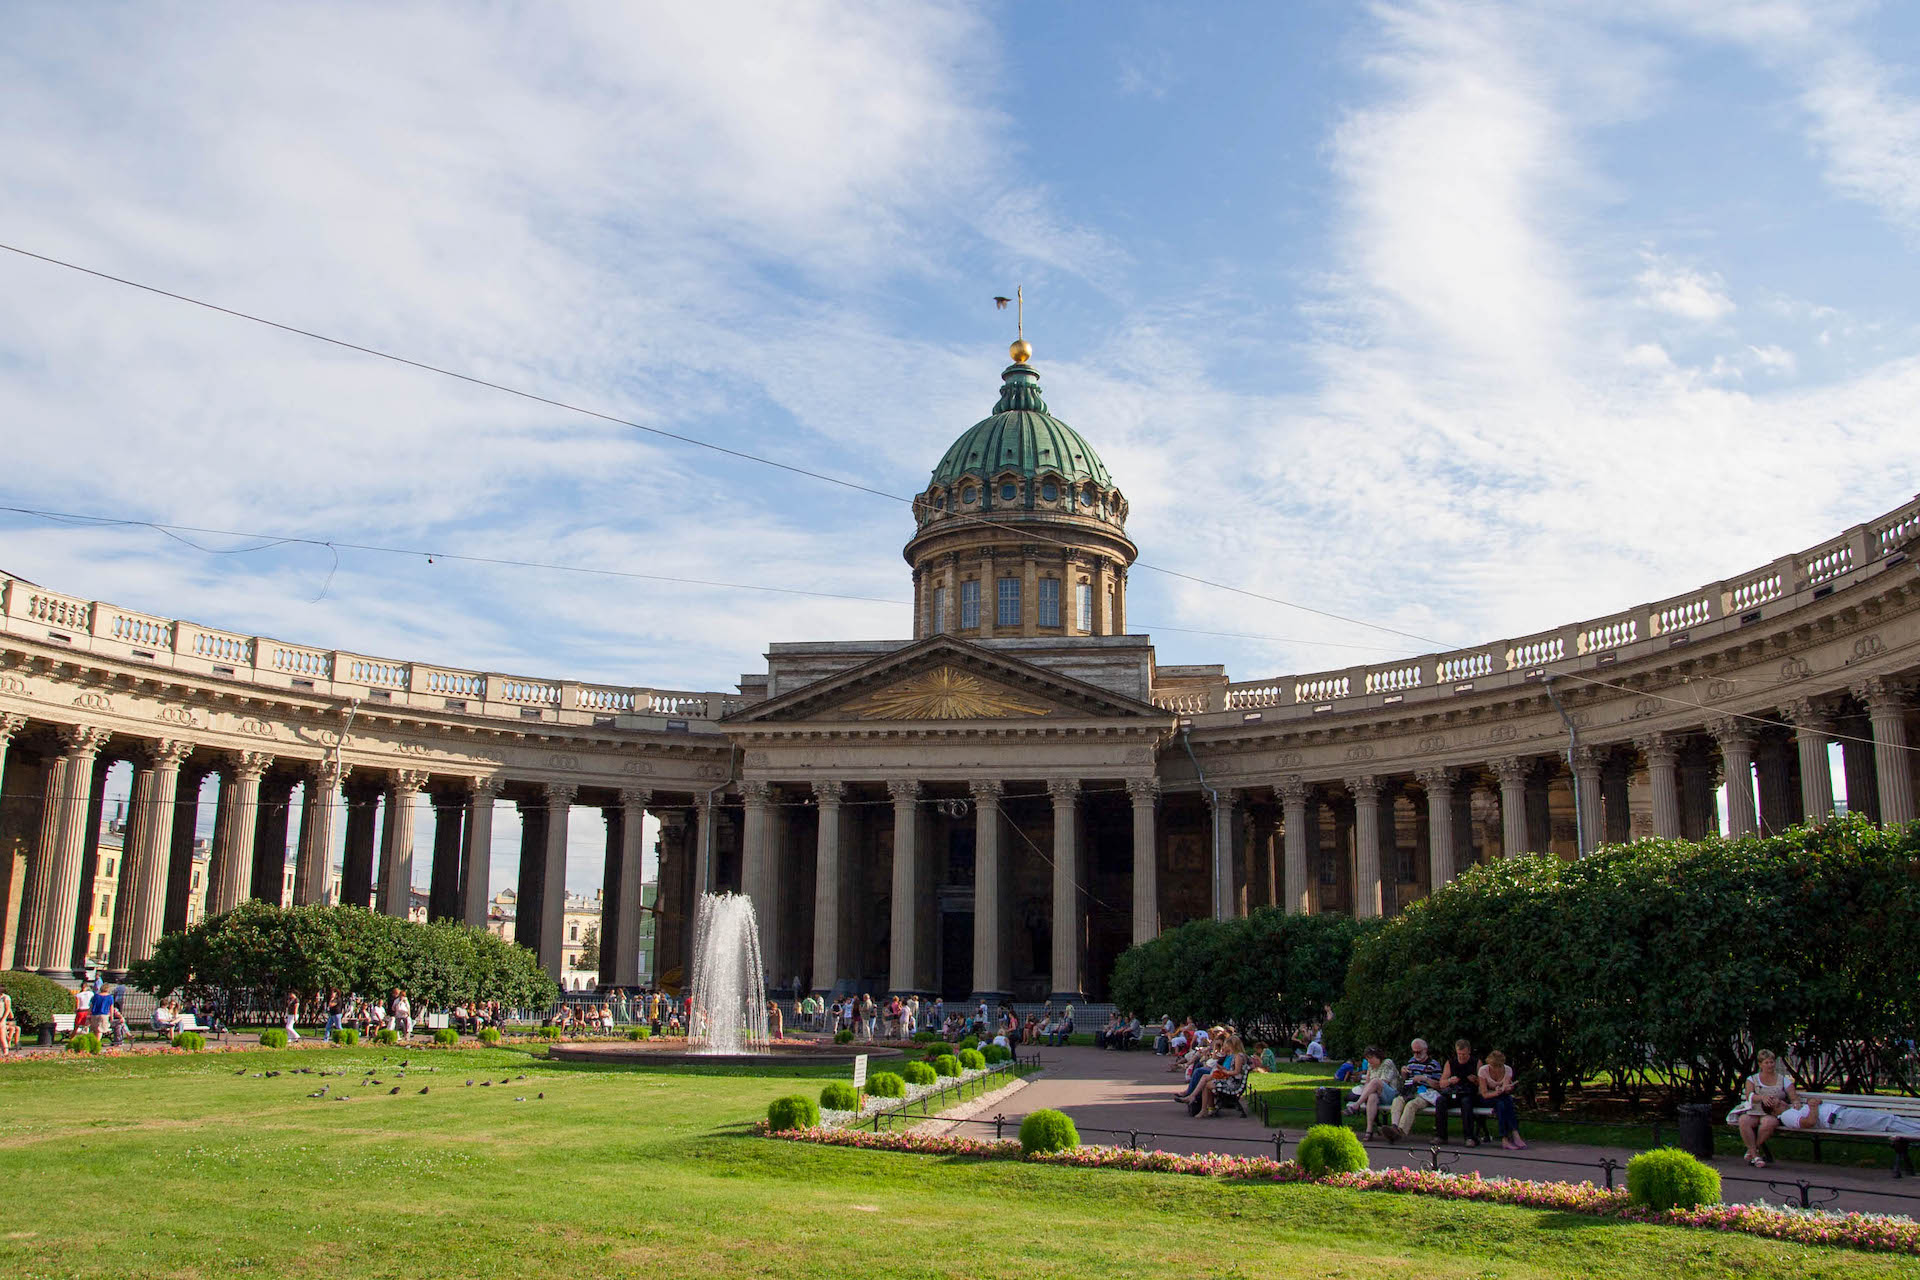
(1021, 436)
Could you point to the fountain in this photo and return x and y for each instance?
(729, 987)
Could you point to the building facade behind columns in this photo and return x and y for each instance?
(994, 806)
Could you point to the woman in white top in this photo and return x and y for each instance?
(9, 1029)
(1769, 1093)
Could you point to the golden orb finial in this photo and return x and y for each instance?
(1021, 351)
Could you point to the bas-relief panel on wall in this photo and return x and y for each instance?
(945, 693)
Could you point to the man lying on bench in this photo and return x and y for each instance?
(1829, 1115)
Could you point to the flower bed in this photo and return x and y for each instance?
(1884, 1233)
(870, 1105)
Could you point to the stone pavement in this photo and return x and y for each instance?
(1117, 1097)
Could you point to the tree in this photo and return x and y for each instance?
(589, 949)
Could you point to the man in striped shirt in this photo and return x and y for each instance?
(1419, 1090)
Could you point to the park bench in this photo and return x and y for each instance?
(1899, 1106)
(438, 1022)
(62, 1024)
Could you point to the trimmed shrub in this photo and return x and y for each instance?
(922, 1037)
(346, 1035)
(36, 1000)
(839, 1096)
(936, 1048)
(973, 1060)
(1670, 1178)
(191, 1041)
(84, 1042)
(489, 1035)
(1048, 1130)
(886, 1084)
(274, 1038)
(636, 1033)
(549, 1033)
(918, 1073)
(446, 1035)
(946, 1065)
(387, 1035)
(843, 1036)
(1330, 1148)
(795, 1111)
(996, 1053)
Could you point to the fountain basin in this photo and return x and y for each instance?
(674, 1053)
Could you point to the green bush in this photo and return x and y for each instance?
(918, 1073)
(83, 1042)
(387, 1035)
(1048, 1130)
(886, 1084)
(346, 1035)
(36, 1000)
(549, 1033)
(973, 1060)
(839, 1096)
(946, 1065)
(922, 1037)
(489, 1035)
(274, 1038)
(446, 1035)
(795, 1111)
(191, 1041)
(636, 1033)
(1330, 1148)
(843, 1036)
(1670, 1178)
(996, 1053)
(935, 1048)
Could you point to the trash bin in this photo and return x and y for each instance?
(1326, 1106)
(1696, 1129)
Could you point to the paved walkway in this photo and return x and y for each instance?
(1115, 1096)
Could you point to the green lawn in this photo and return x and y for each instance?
(177, 1166)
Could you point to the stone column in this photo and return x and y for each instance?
(239, 816)
(396, 841)
(615, 818)
(1779, 796)
(828, 876)
(1616, 804)
(1812, 726)
(1145, 795)
(476, 853)
(633, 852)
(902, 974)
(1366, 846)
(1512, 772)
(1296, 891)
(1224, 805)
(1887, 712)
(313, 865)
(673, 926)
(1663, 779)
(757, 869)
(553, 894)
(267, 876)
(1735, 736)
(142, 901)
(530, 884)
(1067, 979)
(703, 859)
(989, 888)
(186, 834)
(10, 724)
(1699, 815)
(1586, 777)
(1857, 766)
(443, 877)
(53, 877)
(1439, 785)
(356, 858)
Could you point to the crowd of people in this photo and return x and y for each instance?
(1462, 1082)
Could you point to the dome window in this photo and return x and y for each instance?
(1088, 496)
(1009, 491)
(967, 495)
(1050, 491)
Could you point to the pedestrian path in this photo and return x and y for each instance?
(1128, 1099)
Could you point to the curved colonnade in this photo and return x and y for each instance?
(911, 840)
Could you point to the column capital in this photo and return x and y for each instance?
(560, 793)
(631, 797)
(1809, 715)
(829, 791)
(166, 753)
(903, 789)
(1512, 770)
(1294, 789)
(1733, 733)
(248, 764)
(1881, 693)
(1144, 791)
(674, 819)
(10, 723)
(756, 794)
(408, 779)
(1658, 748)
(83, 740)
(1438, 780)
(484, 788)
(986, 791)
(1365, 788)
(1063, 790)
(1588, 759)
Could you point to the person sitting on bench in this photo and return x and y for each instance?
(1769, 1092)
(1831, 1115)
(1459, 1089)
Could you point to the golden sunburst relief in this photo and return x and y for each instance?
(944, 693)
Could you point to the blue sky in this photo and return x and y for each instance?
(1468, 319)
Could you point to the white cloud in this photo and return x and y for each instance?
(1683, 292)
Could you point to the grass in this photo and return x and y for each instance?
(1290, 1106)
(178, 1166)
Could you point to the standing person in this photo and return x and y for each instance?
(1496, 1086)
(292, 1010)
(401, 1011)
(99, 1009)
(9, 1029)
(776, 1021)
(336, 1013)
(1459, 1089)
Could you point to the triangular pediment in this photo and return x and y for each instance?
(944, 680)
